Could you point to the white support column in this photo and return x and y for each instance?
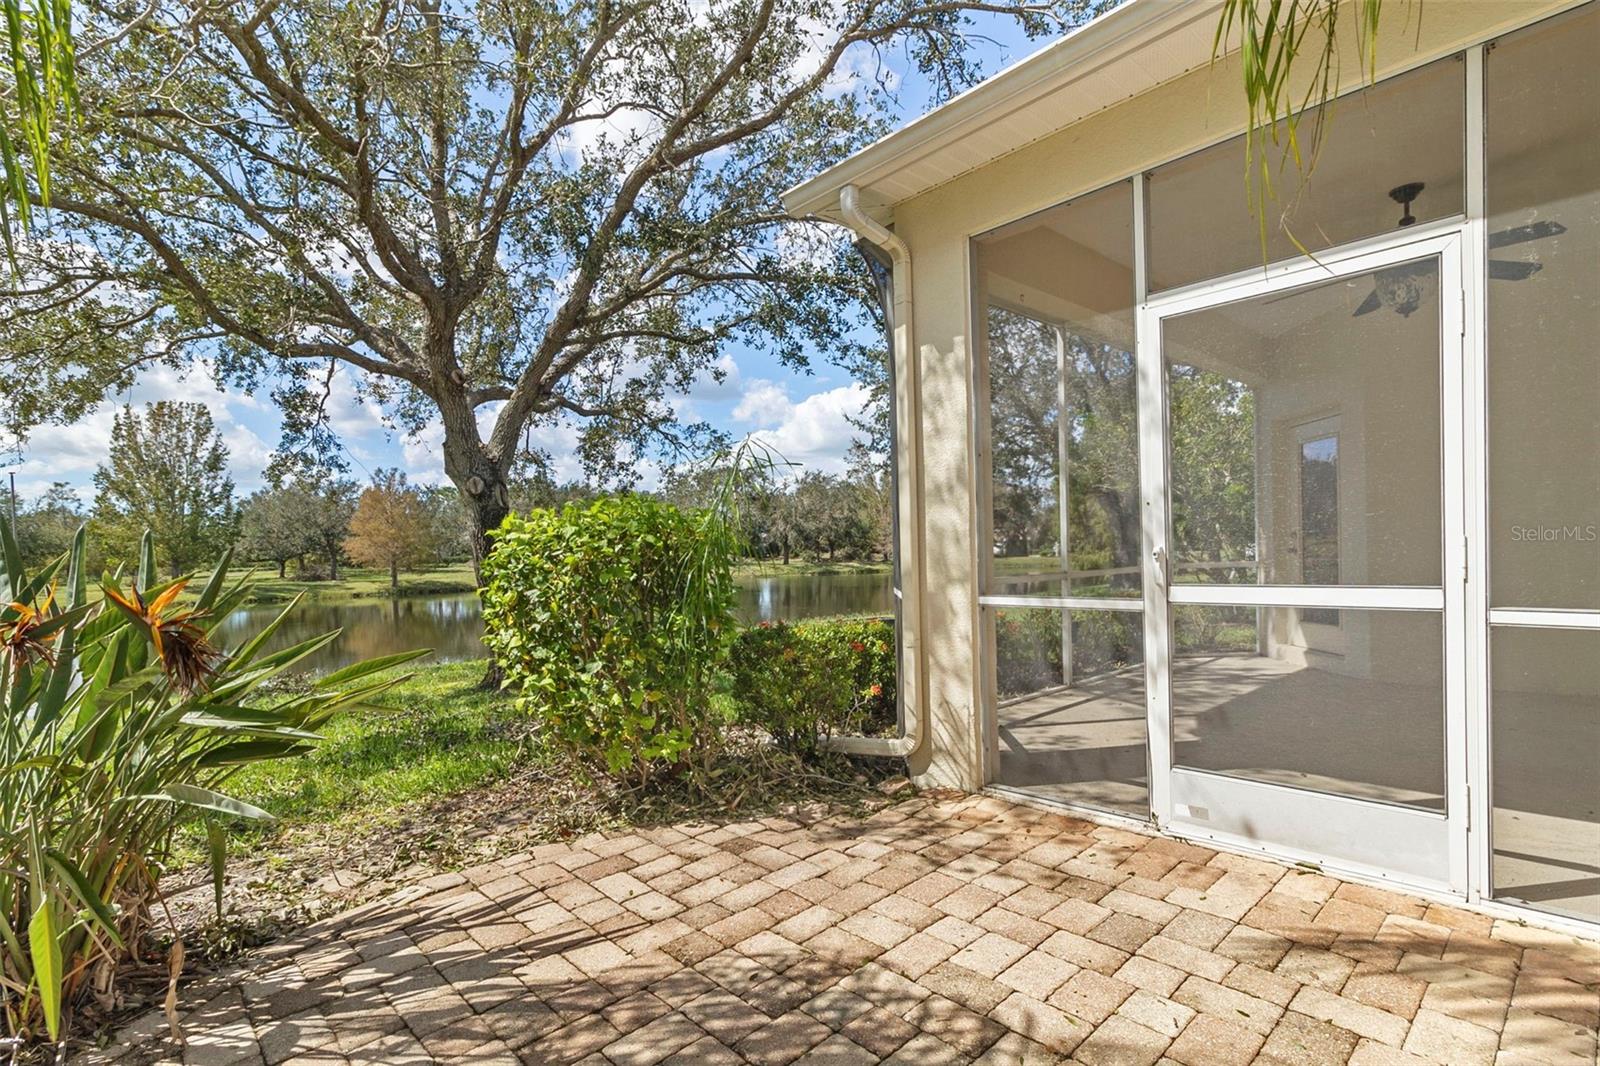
(1475, 459)
(1154, 522)
(1063, 496)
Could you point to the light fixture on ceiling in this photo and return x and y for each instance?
(1402, 288)
(1403, 195)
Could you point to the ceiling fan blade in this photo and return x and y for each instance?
(1369, 305)
(1513, 269)
(1533, 231)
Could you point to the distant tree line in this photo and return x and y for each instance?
(167, 471)
(813, 515)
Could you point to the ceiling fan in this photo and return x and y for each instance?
(1400, 288)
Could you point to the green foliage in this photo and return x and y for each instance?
(167, 473)
(46, 525)
(1273, 37)
(591, 225)
(1213, 466)
(833, 515)
(121, 722)
(802, 682)
(1028, 646)
(305, 516)
(611, 621)
(39, 61)
(1031, 364)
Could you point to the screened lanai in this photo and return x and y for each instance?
(1305, 557)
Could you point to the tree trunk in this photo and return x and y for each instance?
(481, 478)
(394, 577)
(282, 565)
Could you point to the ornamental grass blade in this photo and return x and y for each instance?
(11, 562)
(213, 589)
(170, 1005)
(206, 800)
(147, 561)
(77, 569)
(245, 752)
(104, 918)
(45, 951)
(356, 671)
(254, 644)
(217, 845)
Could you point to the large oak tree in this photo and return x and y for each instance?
(492, 215)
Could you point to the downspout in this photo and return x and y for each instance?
(908, 453)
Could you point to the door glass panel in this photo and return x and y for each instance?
(1542, 88)
(1404, 130)
(1319, 520)
(1071, 709)
(1259, 495)
(1545, 732)
(1055, 292)
(1355, 709)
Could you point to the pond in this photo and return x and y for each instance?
(452, 625)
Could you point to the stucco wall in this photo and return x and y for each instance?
(1180, 116)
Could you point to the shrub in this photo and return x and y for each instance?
(1028, 646)
(805, 681)
(613, 620)
(122, 720)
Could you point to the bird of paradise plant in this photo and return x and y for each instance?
(122, 719)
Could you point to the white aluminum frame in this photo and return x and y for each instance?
(1407, 845)
(1485, 617)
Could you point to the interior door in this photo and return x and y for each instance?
(1305, 514)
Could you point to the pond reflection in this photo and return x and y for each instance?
(452, 625)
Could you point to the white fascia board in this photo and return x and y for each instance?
(1114, 36)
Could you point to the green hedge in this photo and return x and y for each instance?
(613, 621)
(807, 680)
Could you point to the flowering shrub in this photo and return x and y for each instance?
(805, 681)
(612, 622)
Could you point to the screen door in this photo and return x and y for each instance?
(1304, 518)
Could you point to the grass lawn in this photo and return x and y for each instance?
(410, 783)
(358, 584)
(802, 567)
(432, 736)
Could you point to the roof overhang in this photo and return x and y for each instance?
(1128, 50)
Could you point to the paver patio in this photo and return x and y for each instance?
(947, 929)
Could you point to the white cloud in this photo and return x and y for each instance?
(763, 403)
(815, 433)
(71, 453)
(349, 413)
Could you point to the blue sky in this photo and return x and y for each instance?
(804, 416)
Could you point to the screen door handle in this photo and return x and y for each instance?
(1159, 557)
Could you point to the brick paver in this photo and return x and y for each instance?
(947, 929)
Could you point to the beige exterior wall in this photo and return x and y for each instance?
(1190, 112)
